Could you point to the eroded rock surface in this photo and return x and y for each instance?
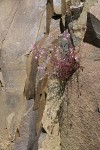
(19, 24)
(92, 34)
(79, 118)
(62, 118)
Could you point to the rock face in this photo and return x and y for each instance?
(19, 24)
(80, 24)
(63, 117)
(79, 115)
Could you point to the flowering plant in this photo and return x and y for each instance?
(62, 58)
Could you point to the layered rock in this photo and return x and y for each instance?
(19, 24)
(48, 115)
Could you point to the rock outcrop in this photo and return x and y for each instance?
(19, 25)
(38, 111)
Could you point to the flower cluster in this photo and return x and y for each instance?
(65, 67)
(62, 58)
(68, 62)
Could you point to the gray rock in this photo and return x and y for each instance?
(27, 132)
(92, 35)
(19, 23)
